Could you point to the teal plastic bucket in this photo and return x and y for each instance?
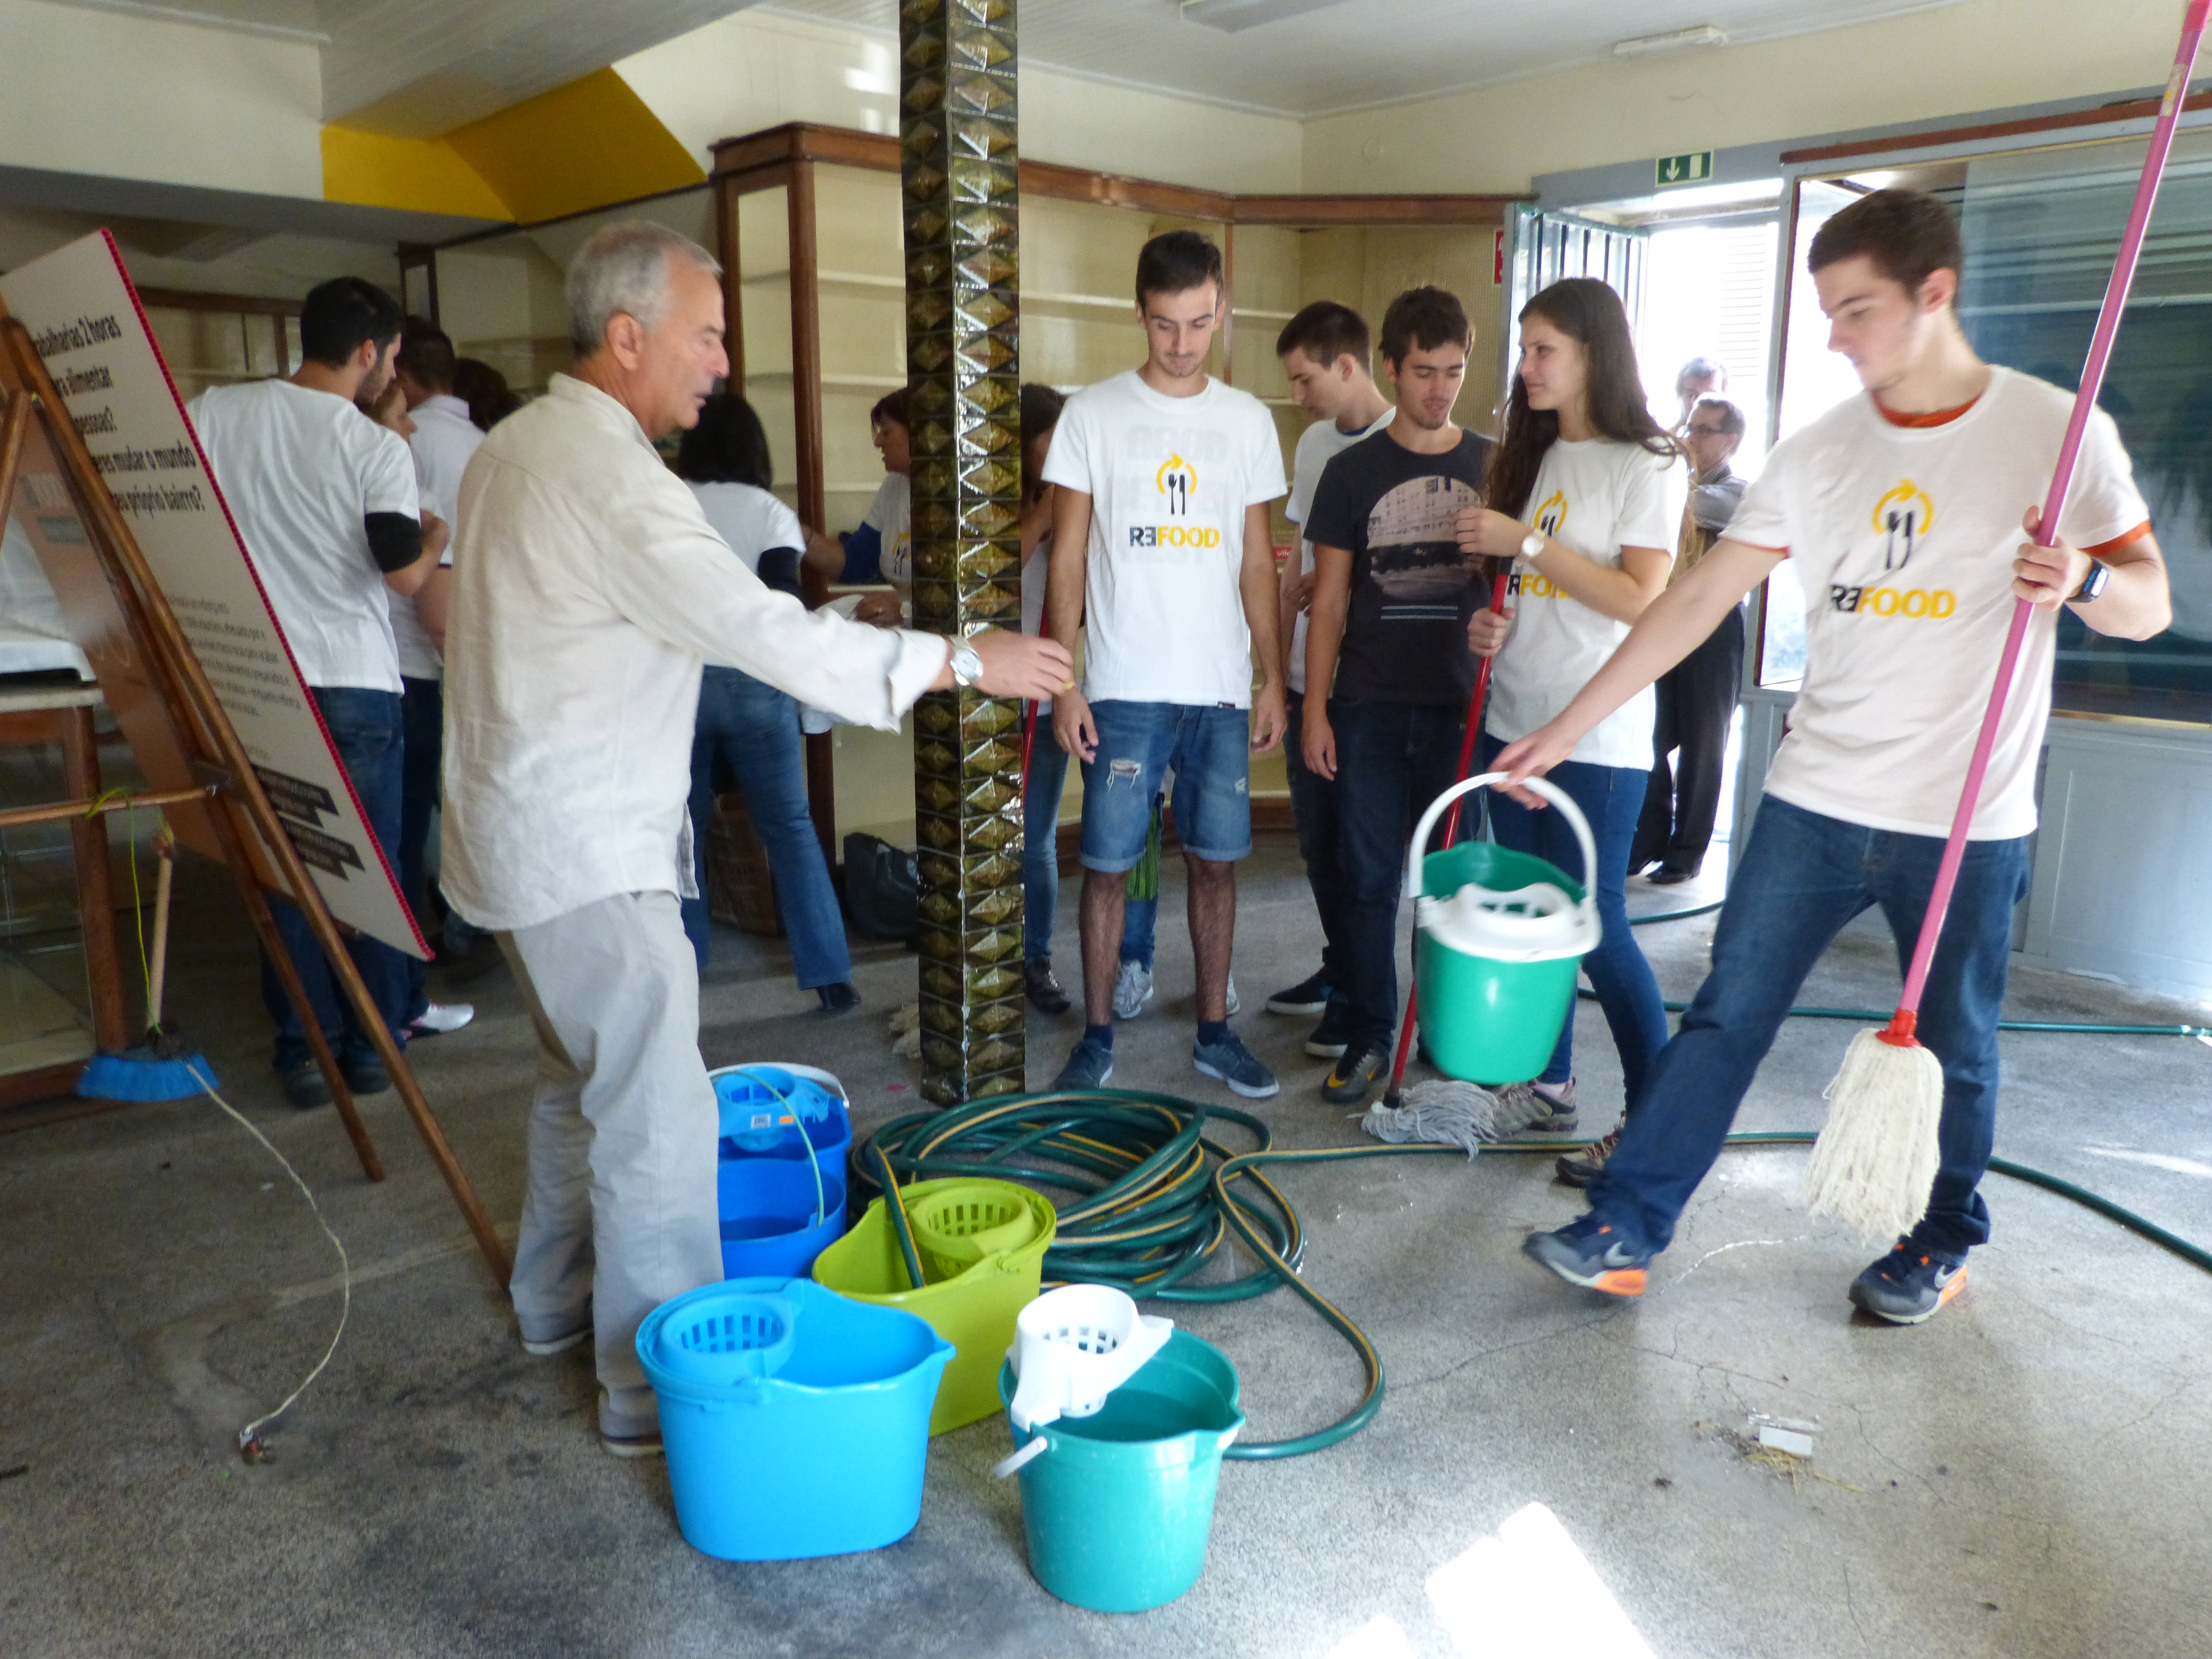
(1492, 1014)
(1118, 1510)
(796, 1422)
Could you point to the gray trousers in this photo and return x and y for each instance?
(618, 1212)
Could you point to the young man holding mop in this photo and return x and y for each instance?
(1900, 511)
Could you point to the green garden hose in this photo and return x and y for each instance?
(1153, 1197)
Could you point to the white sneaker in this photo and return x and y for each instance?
(1230, 1012)
(439, 1017)
(1133, 989)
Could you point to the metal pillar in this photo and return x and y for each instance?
(958, 175)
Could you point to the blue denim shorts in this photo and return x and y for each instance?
(1211, 750)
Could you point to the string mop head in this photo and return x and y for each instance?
(1448, 1112)
(1875, 1159)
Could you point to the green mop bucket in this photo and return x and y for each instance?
(1498, 938)
(972, 1303)
(1118, 1509)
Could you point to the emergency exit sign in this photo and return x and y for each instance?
(1695, 168)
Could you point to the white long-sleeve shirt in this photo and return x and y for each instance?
(588, 589)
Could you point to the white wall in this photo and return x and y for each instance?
(1986, 54)
(758, 69)
(131, 96)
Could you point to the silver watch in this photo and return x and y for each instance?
(1532, 545)
(967, 666)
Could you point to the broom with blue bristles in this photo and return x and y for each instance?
(163, 1066)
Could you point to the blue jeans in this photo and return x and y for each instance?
(1314, 810)
(1210, 749)
(1047, 781)
(1612, 798)
(367, 730)
(1804, 876)
(421, 716)
(754, 728)
(1392, 760)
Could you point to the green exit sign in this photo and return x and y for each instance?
(1695, 168)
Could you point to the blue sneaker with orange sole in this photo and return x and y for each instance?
(1907, 1286)
(1590, 1252)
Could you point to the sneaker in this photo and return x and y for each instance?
(1589, 1253)
(630, 1432)
(1236, 1065)
(1308, 996)
(1580, 1168)
(1045, 992)
(1549, 1107)
(1133, 989)
(562, 1336)
(1233, 1006)
(1089, 1065)
(305, 1086)
(838, 997)
(1352, 1076)
(1329, 1040)
(1907, 1287)
(437, 1019)
(367, 1075)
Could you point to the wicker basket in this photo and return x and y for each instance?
(738, 890)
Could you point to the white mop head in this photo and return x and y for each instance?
(1877, 1158)
(905, 1031)
(1449, 1114)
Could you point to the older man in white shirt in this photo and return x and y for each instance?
(588, 589)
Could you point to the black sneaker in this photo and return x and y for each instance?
(1580, 1168)
(1349, 1080)
(1236, 1065)
(1308, 996)
(1907, 1287)
(839, 998)
(366, 1076)
(1089, 1065)
(1592, 1253)
(1330, 1039)
(304, 1086)
(1042, 985)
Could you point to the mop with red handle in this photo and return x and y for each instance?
(1876, 1158)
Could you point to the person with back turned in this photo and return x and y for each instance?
(589, 590)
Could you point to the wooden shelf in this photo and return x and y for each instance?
(833, 382)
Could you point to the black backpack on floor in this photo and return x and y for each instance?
(883, 888)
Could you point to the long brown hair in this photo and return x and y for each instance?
(1587, 312)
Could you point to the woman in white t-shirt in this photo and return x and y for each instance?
(750, 727)
(1585, 493)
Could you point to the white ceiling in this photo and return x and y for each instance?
(416, 68)
(1357, 53)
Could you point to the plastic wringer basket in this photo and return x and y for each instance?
(960, 1223)
(1072, 1347)
(1498, 936)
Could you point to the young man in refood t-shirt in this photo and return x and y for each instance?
(1162, 548)
(1902, 512)
(1389, 669)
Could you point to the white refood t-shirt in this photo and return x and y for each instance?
(1595, 496)
(1904, 539)
(1317, 444)
(892, 514)
(1169, 480)
(749, 519)
(444, 437)
(301, 471)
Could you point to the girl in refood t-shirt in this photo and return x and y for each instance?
(1585, 493)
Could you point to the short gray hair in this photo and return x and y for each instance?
(1698, 368)
(625, 268)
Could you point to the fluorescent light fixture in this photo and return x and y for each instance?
(1231, 15)
(1650, 45)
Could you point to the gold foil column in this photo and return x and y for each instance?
(958, 175)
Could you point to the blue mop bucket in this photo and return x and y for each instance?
(796, 1423)
(771, 1227)
(781, 1111)
(1498, 937)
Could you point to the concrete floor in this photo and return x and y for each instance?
(1551, 1473)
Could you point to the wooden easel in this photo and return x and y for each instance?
(197, 769)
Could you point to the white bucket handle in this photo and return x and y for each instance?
(1550, 791)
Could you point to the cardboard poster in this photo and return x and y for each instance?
(85, 320)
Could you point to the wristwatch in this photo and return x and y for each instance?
(967, 666)
(2093, 584)
(1532, 545)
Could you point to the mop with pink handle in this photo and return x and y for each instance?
(1877, 1158)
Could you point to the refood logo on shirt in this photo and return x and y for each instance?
(1902, 517)
(1551, 517)
(1177, 482)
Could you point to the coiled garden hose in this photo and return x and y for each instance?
(1153, 1197)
